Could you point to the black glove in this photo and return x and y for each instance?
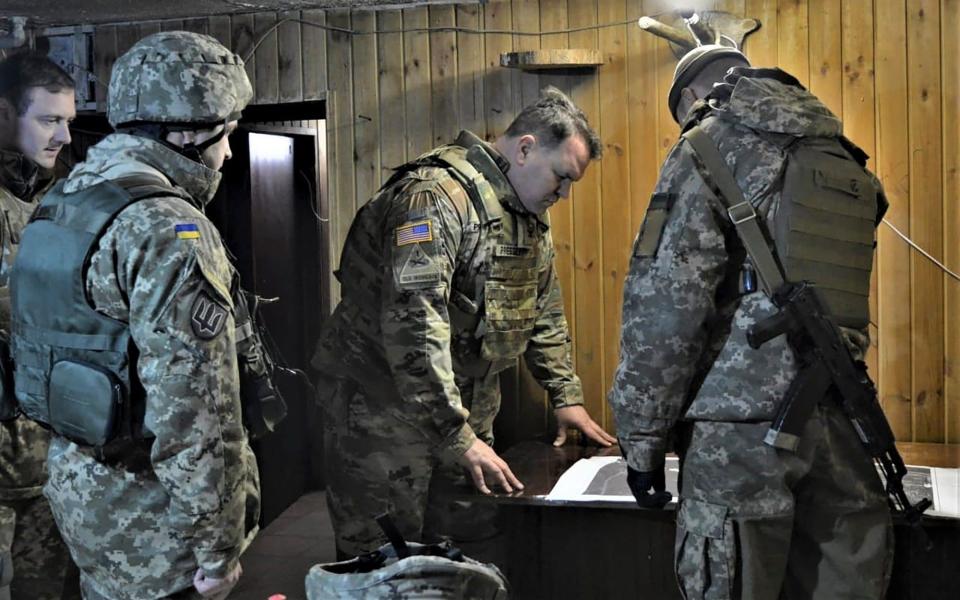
(640, 483)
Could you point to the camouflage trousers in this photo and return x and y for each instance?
(36, 563)
(763, 524)
(376, 463)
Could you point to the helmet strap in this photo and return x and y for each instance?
(158, 132)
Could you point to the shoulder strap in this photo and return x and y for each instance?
(741, 212)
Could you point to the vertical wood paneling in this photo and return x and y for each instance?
(395, 95)
(443, 76)
(825, 56)
(243, 40)
(470, 70)
(390, 60)
(366, 127)
(267, 85)
(587, 230)
(615, 179)
(893, 260)
(340, 120)
(761, 45)
(219, 28)
(950, 75)
(127, 36)
(859, 117)
(926, 210)
(105, 41)
(289, 47)
(553, 17)
(498, 82)
(793, 42)
(416, 69)
(314, 54)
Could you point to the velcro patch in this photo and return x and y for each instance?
(413, 233)
(418, 271)
(207, 317)
(648, 241)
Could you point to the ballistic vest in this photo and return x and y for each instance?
(495, 285)
(56, 333)
(824, 226)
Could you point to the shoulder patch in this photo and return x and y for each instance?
(414, 233)
(207, 317)
(187, 231)
(648, 240)
(419, 270)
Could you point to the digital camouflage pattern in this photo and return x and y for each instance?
(140, 519)
(28, 535)
(177, 77)
(437, 299)
(686, 372)
(417, 576)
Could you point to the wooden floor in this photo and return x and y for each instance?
(282, 554)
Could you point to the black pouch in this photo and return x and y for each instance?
(86, 402)
(9, 409)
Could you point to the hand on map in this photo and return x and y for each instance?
(576, 417)
(640, 483)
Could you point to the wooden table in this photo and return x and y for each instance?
(586, 550)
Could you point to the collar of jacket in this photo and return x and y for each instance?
(23, 177)
(118, 154)
(493, 166)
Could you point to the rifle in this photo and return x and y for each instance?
(825, 360)
(825, 364)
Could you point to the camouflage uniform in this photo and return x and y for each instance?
(140, 518)
(27, 530)
(754, 521)
(142, 513)
(441, 292)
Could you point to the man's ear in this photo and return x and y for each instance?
(525, 146)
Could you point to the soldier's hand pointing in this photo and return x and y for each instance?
(481, 461)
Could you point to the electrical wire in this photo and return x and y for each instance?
(441, 29)
(916, 247)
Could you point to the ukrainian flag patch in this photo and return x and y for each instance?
(413, 233)
(187, 231)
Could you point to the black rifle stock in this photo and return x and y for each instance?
(825, 362)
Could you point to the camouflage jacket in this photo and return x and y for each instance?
(140, 520)
(23, 443)
(684, 352)
(436, 294)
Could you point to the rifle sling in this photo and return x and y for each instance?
(744, 217)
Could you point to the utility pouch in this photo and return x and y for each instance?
(9, 409)
(86, 402)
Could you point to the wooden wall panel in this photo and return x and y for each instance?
(950, 76)
(893, 261)
(393, 95)
(926, 210)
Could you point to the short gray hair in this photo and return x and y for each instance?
(552, 119)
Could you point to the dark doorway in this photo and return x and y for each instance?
(270, 209)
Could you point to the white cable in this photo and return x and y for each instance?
(922, 251)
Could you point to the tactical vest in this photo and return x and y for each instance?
(823, 227)
(75, 368)
(495, 286)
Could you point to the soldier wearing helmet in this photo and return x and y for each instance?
(761, 175)
(124, 335)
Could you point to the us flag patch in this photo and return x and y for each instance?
(412, 233)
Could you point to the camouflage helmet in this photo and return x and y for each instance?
(178, 78)
(692, 63)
